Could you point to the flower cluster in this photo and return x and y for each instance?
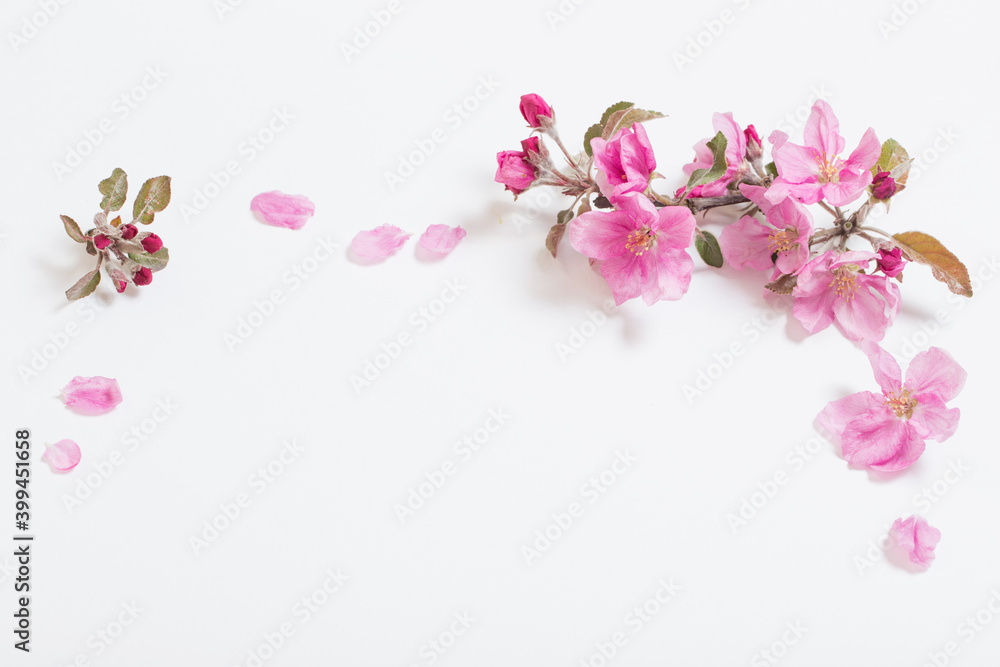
(639, 238)
(127, 254)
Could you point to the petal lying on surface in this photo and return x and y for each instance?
(880, 440)
(935, 372)
(379, 243)
(281, 210)
(64, 455)
(441, 239)
(93, 395)
(838, 414)
(917, 538)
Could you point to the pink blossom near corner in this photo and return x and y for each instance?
(917, 538)
(93, 395)
(441, 239)
(64, 455)
(380, 242)
(889, 432)
(281, 210)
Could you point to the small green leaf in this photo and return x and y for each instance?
(73, 229)
(895, 160)
(555, 235)
(592, 131)
(564, 216)
(618, 106)
(153, 197)
(771, 169)
(91, 250)
(154, 262)
(626, 118)
(114, 188)
(708, 248)
(584, 206)
(84, 286)
(719, 165)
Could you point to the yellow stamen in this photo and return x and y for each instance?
(781, 240)
(829, 168)
(640, 241)
(845, 282)
(902, 403)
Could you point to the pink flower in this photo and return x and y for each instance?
(514, 169)
(831, 288)
(533, 107)
(142, 277)
(891, 262)
(379, 243)
(129, 232)
(441, 239)
(643, 251)
(151, 243)
(625, 163)
(917, 538)
(736, 150)
(888, 432)
(93, 395)
(750, 243)
(281, 210)
(64, 455)
(815, 171)
(101, 241)
(883, 185)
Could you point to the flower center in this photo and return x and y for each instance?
(902, 403)
(782, 240)
(845, 282)
(640, 240)
(829, 168)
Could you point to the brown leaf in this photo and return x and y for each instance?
(783, 285)
(925, 249)
(555, 235)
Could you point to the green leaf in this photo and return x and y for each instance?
(84, 286)
(584, 206)
(153, 197)
(114, 188)
(564, 216)
(555, 235)
(893, 158)
(719, 165)
(592, 131)
(154, 262)
(618, 106)
(626, 118)
(708, 247)
(73, 229)
(91, 250)
(771, 169)
(946, 267)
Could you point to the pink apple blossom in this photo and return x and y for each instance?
(736, 150)
(625, 163)
(891, 262)
(917, 538)
(750, 243)
(642, 249)
(514, 170)
(831, 289)
(535, 109)
(888, 431)
(815, 171)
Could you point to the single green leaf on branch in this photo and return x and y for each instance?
(115, 189)
(708, 248)
(153, 197)
(84, 286)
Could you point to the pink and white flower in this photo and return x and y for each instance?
(625, 163)
(750, 243)
(916, 538)
(831, 289)
(815, 171)
(888, 431)
(642, 249)
(736, 150)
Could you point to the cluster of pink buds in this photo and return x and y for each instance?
(127, 254)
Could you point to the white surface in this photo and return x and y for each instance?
(494, 347)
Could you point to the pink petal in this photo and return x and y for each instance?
(822, 130)
(838, 414)
(674, 226)
(623, 276)
(888, 375)
(758, 195)
(92, 396)
(880, 440)
(796, 164)
(745, 244)
(864, 157)
(667, 274)
(281, 210)
(934, 419)
(848, 188)
(600, 234)
(379, 243)
(64, 455)
(441, 239)
(736, 141)
(935, 372)
(917, 538)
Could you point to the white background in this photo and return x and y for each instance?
(494, 347)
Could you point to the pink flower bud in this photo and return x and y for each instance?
(143, 276)
(151, 243)
(129, 232)
(514, 170)
(101, 241)
(754, 148)
(883, 185)
(534, 108)
(891, 262)
(534, 151)
(119, 280)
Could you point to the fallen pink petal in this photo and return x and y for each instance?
(281, 210)
(441, 239)
(93, 395)
(64, 455)
(917, 538)
(379, 243)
